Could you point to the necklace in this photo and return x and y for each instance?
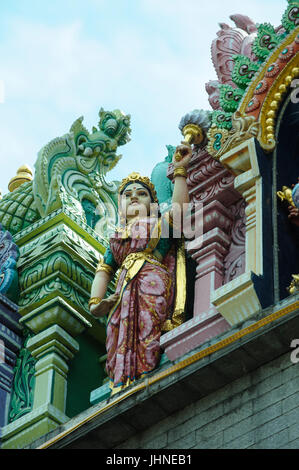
(126, 230)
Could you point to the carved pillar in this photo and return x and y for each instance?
(210, 255)
(53, 348)
(211, 189)
(241, 291)
(57, 262)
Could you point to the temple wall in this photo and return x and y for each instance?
(259, 410)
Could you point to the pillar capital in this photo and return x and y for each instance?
(53, 340)
(56, 311)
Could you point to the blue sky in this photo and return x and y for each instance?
(68, 58)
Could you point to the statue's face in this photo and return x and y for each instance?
(135, 200)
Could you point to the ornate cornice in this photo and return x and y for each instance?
(272, 103)
(265, 94)
(274, 58)
(257, 112)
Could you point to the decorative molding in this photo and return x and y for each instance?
(234, 262)
(264, 70)
(23, 384)
(55, 311)
(273, 101)
(238, 299)
(265, 82)
(70, 219)
(23, 431)
(209, 180)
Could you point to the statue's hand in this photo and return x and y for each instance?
(182, 156)
(104, 306)
(294, 215)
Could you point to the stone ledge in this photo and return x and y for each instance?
(192, 334)
(216, 363)
(31, 418)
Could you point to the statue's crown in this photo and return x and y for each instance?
(135, 178)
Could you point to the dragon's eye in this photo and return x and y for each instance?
(81, 140)
(243, 69)
(265, 40)
(293, 13)
(229, 95)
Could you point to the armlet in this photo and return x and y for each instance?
(105, 267)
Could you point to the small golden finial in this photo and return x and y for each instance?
(24, 174)
(194, 127)
(193, 134)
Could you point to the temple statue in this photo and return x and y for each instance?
(145, 258)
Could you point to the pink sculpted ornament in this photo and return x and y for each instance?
(230, 41)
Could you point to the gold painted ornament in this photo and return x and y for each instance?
(24, 175)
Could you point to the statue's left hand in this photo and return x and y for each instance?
(294, 215)
(185, 153)
(103, 308)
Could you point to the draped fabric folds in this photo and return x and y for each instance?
(146, 285)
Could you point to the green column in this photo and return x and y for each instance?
(57, 263)
(53, 348)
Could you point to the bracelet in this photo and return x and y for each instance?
(94, 301)
(180, 171)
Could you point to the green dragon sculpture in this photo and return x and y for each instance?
(266, 41)
(243, 71)
(290, 19)
(230, 98)
(222, 119)
(70, 171)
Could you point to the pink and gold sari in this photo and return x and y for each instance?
(146, 288)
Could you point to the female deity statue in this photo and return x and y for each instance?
(142, 251)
